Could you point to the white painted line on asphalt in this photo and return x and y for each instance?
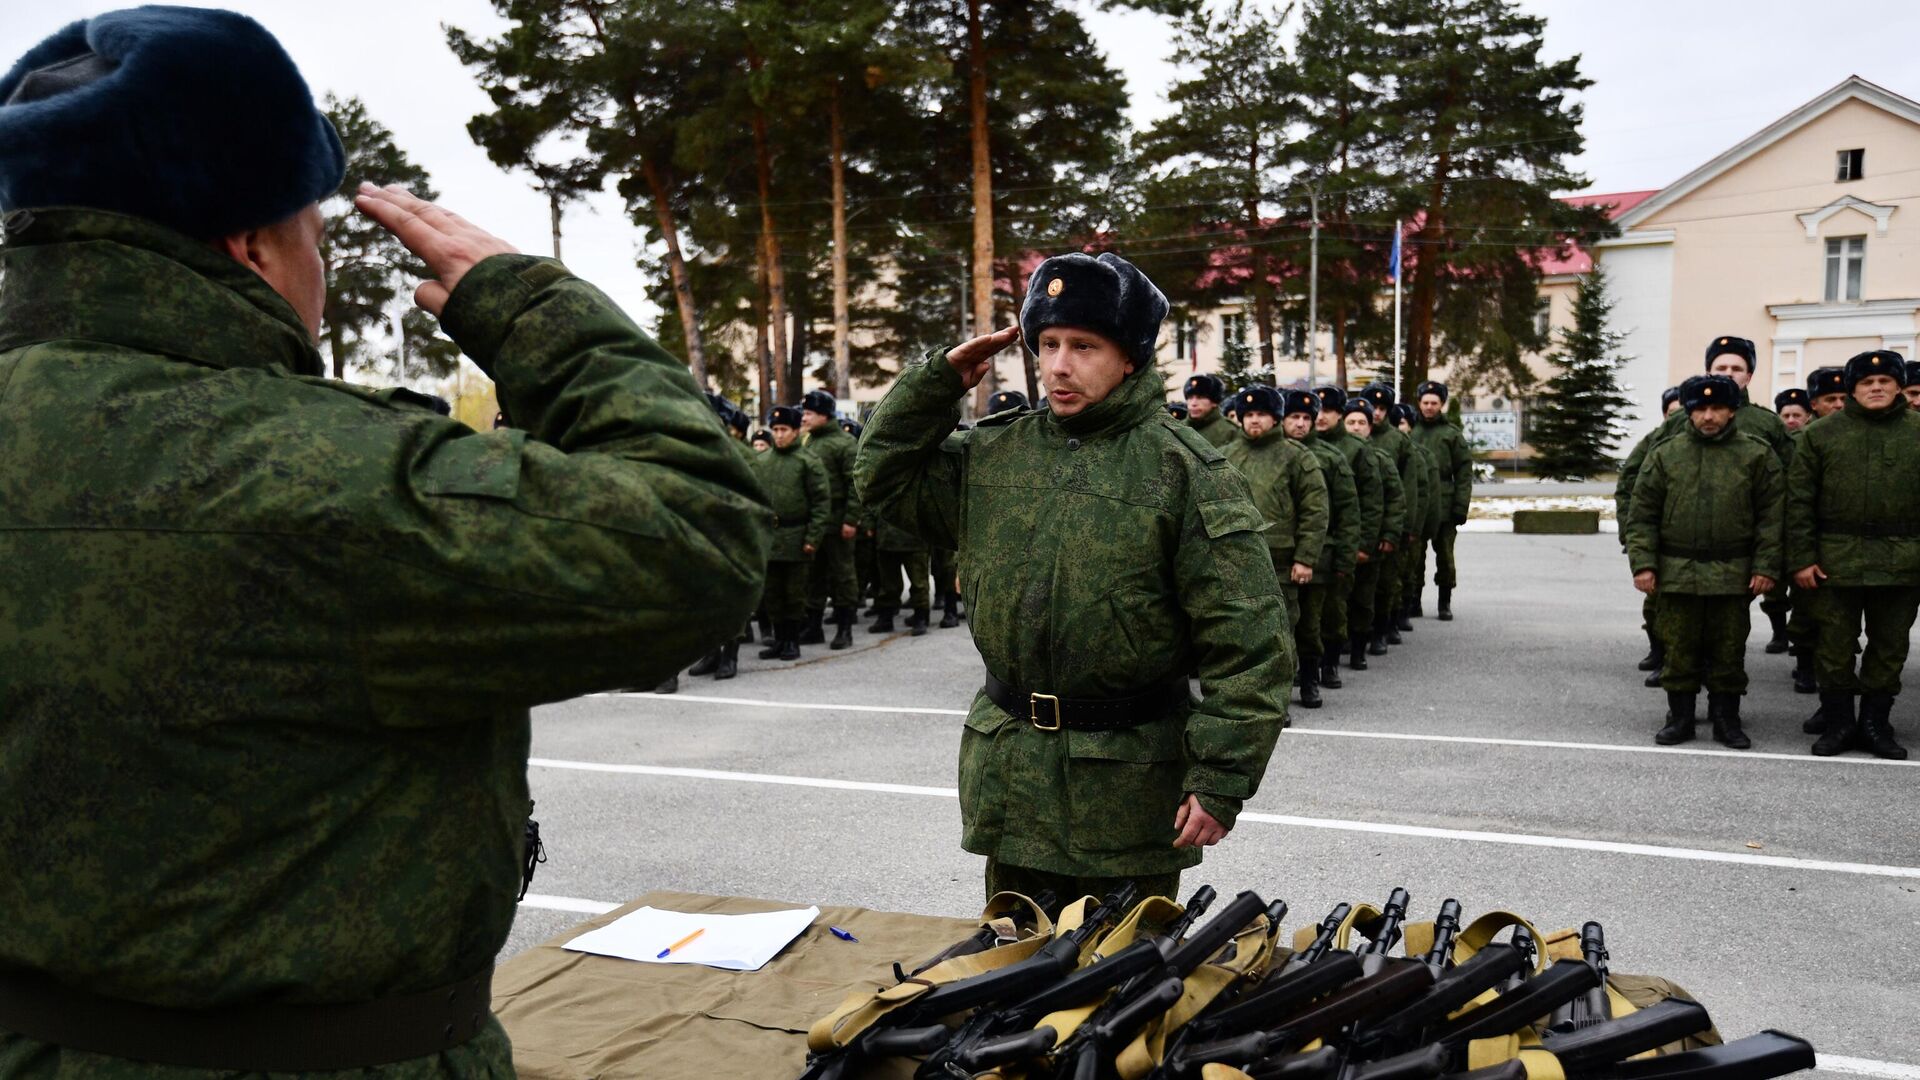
(566, 903)
(1472, 740)
(1572, 843)
(1893, 1070)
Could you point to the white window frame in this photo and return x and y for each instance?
(1846, 169)
(1844, 270)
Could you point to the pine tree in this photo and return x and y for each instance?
(1574, 425)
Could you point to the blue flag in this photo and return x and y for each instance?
(1394, 273)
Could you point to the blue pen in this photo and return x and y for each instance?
(841, 934)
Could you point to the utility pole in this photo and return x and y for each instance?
(1313, 291)
(553, 205)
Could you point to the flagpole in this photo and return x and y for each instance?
(1397, 275)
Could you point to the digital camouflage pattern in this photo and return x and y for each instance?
(1289, 492)
(1216, 429)
(1368, 489)
(1749, 419)
(1707, 514)
(1448, 445)
(796, 485)
(834, 578)
(268, 643)
(1629, 473)
(1706, 641)
(1100, 555)
(1852, 504)
(1343, 510)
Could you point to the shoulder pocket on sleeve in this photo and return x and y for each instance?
(485, 465)
(1224, 516)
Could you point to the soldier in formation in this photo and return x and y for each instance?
(796, 483)
(1112, 552)
(1448, 445)
(1314, 622)
(1204, 395)
(833, 581)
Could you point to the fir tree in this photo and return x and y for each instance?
(1574, 425)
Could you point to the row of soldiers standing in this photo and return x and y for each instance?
(1813, 509)
(1355, 489)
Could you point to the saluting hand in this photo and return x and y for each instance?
(1197, 828)
(972, 358)
(449, 244)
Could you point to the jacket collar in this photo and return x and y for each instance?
(78, 273)
(1854, 408)
(1137, 399)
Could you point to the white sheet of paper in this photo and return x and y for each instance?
(732, 942)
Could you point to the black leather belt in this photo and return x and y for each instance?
(249, 1038)
(1050, 712)
(1687, 551)
(1871, 528)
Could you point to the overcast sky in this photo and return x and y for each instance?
(1675, 83)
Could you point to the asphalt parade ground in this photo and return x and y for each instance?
(1504, 759)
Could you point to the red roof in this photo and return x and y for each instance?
(1576, 260)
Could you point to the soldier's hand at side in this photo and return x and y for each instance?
(807, 550)
(1362, 558)
(1811, 577)
(1761, 584)
(1386, 547)
(1197, 828)
(1302, 574)
(1644, 581)
(449, 244)
(972, 358)
(848, 532)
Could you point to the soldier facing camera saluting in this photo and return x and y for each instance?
(1085, 759)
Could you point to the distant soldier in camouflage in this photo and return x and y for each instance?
(1734, 358)
(1795, 409)
(1432, 513)
(1106, 551)
(1290, 493)
(1827, 391)
(270, 640)
(802, 497)
(1448, 445)
(1342, 626)
(1827, 394)
(1399, 451)
(833, 579)
(1912, 390)
(1177, 410)
(1853, 541)
(1706, 532)
(1204, 393)
(1316, 596)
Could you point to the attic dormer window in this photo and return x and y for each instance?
(1849, 163)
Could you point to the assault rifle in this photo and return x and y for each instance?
(1592, 1007)
(910, 1030)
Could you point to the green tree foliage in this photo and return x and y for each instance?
(1574, 423)
(367, 268)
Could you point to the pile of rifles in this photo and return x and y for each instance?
(1073, 1010)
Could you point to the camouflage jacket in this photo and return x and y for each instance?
(268, 642)
(1416, 491)
(835, 450)
(1289, 492)
(1448, 445)
(1101, 555)
(796, 484)
(1707, 514)
(1399, 450)
(1431, 497)
(1216, 429)
(1343, 511)
(1629, 474)
(1852, 505)
(1393, 496)
(1367, 484)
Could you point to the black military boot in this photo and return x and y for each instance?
(1656, 654)
(1308, 678)
(671, 686)
(917, 625)
(1330, 667)
(814, 630)
(790, 641)
(1389, 628)
(1723, 712)
(729, 661)
(1841, 731)
(772, 651)
(1377, 646)
(843, 635)
(707, 665)
(1446, 603)
(1418, 610)
(1680, 719)
(766, 629)
(1403, 619)
(882, 623)
(1358, 660)
(949, 617)
(1876, 727)
(1803, 680)
(1815, 724)
(1778, 643)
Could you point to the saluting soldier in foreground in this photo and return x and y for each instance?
(270, 640)
(1448, 445)
(1853, 541)
(1106, 552)
(1706, 532)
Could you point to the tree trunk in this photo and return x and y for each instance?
(762, 356)
(1020, 284)
(1340, 347)
(677, 271)
(982, 194)
(842, 322)
(553, 211)
(776, 276)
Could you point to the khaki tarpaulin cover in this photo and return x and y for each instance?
(574, 1015)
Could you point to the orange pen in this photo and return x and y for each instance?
(680, 944)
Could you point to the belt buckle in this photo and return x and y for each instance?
(1033, 711)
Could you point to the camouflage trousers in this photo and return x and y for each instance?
(1839, 612)
(833, 577)
(1442, 545)
(946, 572)
(1649, 613)
(1067, 888)
(1310, 620)
(785, 595)
(1386, 596)
(1413, 572)
(1333, 617)
(866, 562)
(886, 586)
(1289, 592)
(1706, 640)
(1360, 599)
